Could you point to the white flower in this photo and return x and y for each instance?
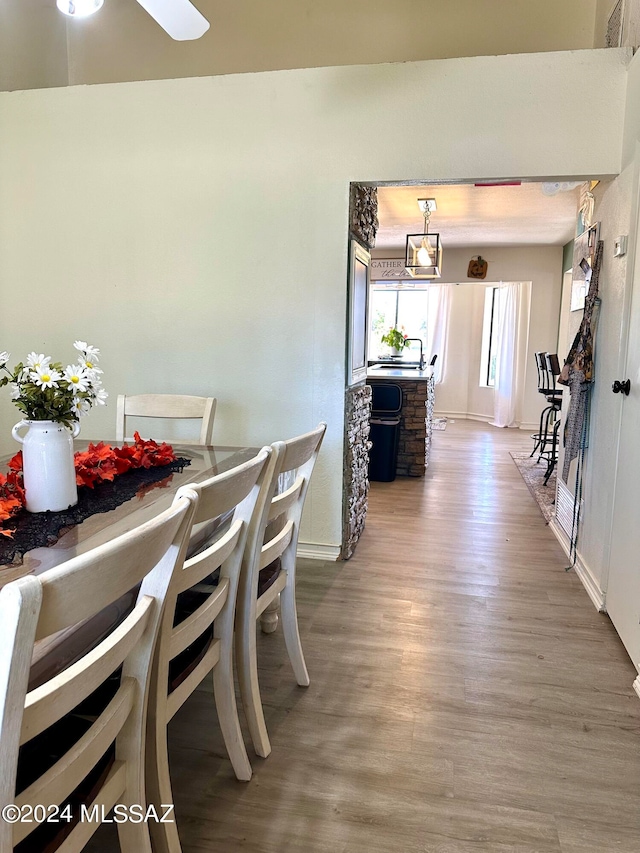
(76, 377)
(80, 407)
(90, 366)
(35, 361)
(45, 377)
(4, 358)
(92, 353)
(101, 397)
(15, 390)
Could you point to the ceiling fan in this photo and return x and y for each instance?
(179, 18)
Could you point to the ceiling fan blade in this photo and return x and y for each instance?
(179, 18)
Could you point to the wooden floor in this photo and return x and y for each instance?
(465, 695)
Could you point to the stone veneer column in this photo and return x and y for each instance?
(355, 488)
(413, 429)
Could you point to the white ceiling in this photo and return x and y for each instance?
(469, 215)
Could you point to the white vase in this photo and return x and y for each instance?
(396, 351)
(47, 465)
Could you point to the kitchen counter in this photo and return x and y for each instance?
(416, 416)
(380, 372)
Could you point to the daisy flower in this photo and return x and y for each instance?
(80, 407)
(92, 353)
(76, 377)
(15, 390)
(101, 397)
(35, 361)
(90, 365)
(45, 377)
(4, 358)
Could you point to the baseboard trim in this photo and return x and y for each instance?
(582, 570)
(314, 551)
(463, 416)
(474, 416)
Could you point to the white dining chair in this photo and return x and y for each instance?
(197, 630)
(97, 759)
(268, 575)
(171, 406)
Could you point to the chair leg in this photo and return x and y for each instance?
(247, 666)
(537, 441)
(292, 635)
(269, 617)
(164, 835)
(225, 696)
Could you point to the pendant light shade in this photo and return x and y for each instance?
(79, 8)
(423, 253)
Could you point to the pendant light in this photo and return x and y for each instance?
(423, 255)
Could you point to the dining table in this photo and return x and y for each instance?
(54, 654)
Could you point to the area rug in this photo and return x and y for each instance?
(439, 423)
(533, 475)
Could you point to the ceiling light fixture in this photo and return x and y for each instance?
(79, 8)
(423, 255)
(179, 18)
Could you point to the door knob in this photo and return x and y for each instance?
(623, 387)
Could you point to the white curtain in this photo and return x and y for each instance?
(438, 327)
(506, 380)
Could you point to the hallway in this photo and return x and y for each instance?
(465, 694)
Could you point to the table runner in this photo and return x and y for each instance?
(37, 530)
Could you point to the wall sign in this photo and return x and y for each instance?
(387, 269)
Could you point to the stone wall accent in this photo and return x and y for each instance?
(431, 401)
(355, 488)
(363, 214)
(413, 429)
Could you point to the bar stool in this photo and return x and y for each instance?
(549, 440)
(548, 368)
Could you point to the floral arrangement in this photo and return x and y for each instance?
(45, 391)
(395, 338)
(98, 463)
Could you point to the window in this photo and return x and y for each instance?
(406, 309)
(489, 337)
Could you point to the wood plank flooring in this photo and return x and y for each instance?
(465, 695)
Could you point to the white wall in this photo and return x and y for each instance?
(195, 229)
(617, 211)
(461, 392)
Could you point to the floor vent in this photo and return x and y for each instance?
(614, 25)
(564, 507)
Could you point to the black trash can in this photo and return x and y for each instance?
(384, 431)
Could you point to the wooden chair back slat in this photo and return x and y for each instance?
(45, 705)
(179, 696)
(197, 622)
(275, 547)
(59, 781)
(285, 500)
(201, 565)
(171, 406)
(86, 584)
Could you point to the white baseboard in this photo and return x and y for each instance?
(585, 574)
(474, 416)
(463, 416)
(314, 551)
(636, 685)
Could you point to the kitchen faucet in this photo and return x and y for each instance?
(422, 362)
